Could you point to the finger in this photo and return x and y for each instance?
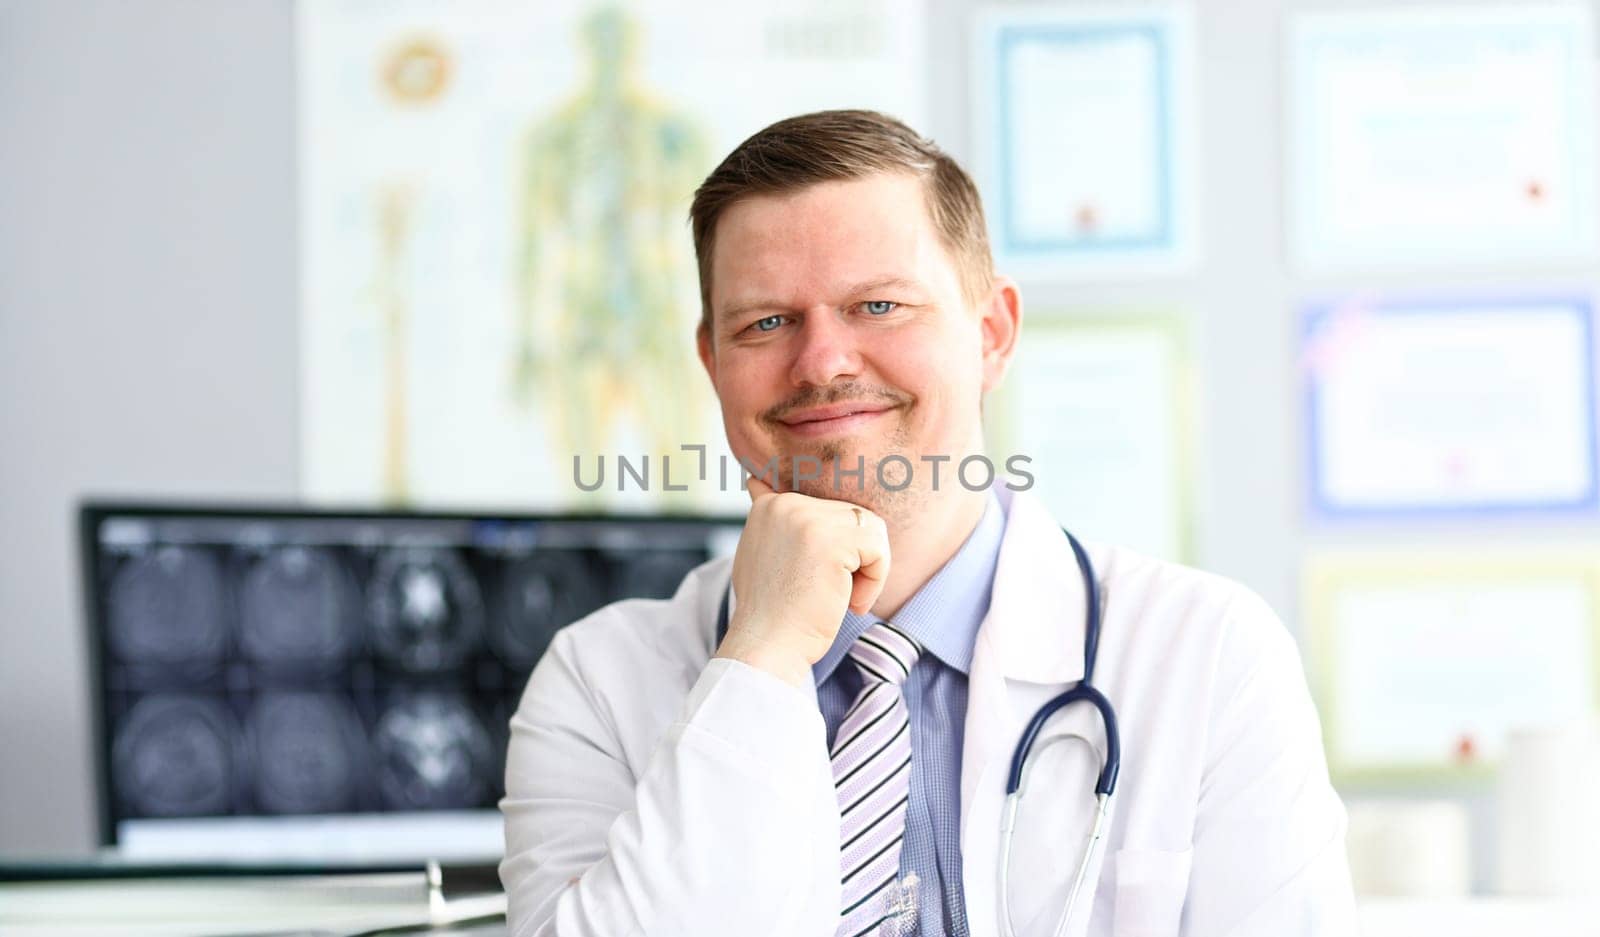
(758, 489)
(869, 577)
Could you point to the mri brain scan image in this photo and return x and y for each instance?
(656, 575)
(427, 612)
(432, 752)
(542, 593)
(167, 606)
(298, 607)
(308, 752)
(175, 756)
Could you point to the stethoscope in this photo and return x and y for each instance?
(1083, 691)
(1105, 786)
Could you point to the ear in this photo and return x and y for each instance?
(702, 342)
(1000, 319)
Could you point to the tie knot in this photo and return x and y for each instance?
(885, 654)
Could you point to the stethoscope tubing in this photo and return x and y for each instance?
(1105, 785)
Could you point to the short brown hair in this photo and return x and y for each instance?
(838, 145)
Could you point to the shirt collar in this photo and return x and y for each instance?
(943, 616)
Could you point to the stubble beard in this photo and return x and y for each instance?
(894, 506)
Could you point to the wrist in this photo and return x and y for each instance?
(775, 658)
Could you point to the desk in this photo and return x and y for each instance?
(347, 905)
(334, 905)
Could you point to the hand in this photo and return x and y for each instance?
(801, 562)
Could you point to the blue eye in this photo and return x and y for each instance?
(769, 323)
(879, 307)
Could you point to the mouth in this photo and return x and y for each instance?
(833, 420)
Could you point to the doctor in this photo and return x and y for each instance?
(827, 753)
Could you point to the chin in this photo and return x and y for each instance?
(890, 504)
(847, 488)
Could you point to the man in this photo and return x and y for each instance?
(830, 755)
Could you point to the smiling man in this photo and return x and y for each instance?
(814, 739)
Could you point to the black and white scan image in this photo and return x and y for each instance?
(308, 752)
(167, 605)
(298, 607)
(427, 610)
(655, 574)
(174, 756)
(539, 594)
(307, 664)
(433, 752)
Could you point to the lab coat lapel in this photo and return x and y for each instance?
(1029, 647)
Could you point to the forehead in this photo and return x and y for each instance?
(799, 246)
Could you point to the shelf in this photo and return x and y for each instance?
(1480, 917)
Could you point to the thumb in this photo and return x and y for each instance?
(757, 488)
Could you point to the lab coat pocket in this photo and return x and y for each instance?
(1151, 886)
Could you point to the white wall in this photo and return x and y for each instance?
(147, 322)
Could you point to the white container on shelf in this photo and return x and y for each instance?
(1548, 808)
(1410, 848)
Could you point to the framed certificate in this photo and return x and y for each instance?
(1100, 408)
(1450, 406)
(1423, 664)
(1429, 136)
(1084, 138)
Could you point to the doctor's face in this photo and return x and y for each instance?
(839, 330)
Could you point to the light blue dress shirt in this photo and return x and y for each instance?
(943, 617)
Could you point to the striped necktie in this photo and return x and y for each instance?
(872, 775)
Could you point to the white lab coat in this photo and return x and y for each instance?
(654, 791)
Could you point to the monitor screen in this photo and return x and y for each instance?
(335, 687)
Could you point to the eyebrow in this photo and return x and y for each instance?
(866, 286)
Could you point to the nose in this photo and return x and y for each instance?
(826, 350)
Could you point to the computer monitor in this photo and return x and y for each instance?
(334, 687)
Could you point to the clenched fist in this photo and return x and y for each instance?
(801, 562)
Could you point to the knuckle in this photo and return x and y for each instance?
(810, 533)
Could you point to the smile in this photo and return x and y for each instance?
(833, 420)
